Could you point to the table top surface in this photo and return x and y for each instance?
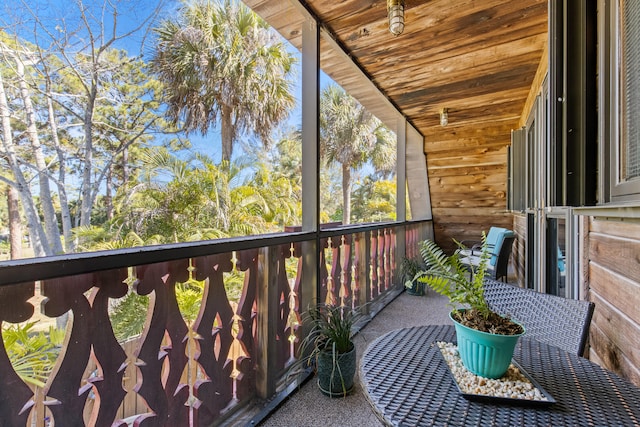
(408, 383)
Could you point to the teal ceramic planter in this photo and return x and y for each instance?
(484, 354)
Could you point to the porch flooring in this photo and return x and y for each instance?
(308, 407)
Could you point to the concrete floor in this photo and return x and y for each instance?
(307, 407)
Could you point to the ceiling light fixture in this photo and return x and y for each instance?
(395, 8)
(444, 117)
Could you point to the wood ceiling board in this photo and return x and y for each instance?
(515, 77)
(478, 108)
(471, 63)
(461, 54)
(446, 147)
(442, 39)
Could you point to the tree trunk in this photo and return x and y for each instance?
(15, 226)
(125, 166)
(346, 194)
(87, 185)
(48, 211)
(227, 134)
(36, 233)
(65, 214)
(108, 202)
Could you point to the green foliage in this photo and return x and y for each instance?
(189, 296)
(129, 315)
(32, 354)
(233, 285)
(5, 249)
(200, 201)
(449, 277)
(374, 200)
(330, 329)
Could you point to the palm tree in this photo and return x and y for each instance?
(221, 62)
(352, 136)
(199, 201)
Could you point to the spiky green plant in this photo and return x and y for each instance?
(32, 354)
(329, 339)
(448, 276)
(330, 329)
(409, 268)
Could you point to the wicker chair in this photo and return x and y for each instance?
(554, 320)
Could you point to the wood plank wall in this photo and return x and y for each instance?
(614, 286)
(467, 166)
(467, 169)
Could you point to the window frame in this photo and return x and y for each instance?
(619, 190)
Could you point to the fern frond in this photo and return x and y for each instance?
(448, 276)
(437, 283)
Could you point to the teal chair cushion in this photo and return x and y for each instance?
(495, 237)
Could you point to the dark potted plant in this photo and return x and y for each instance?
(410, 270)
(329, 345)
(486, 340)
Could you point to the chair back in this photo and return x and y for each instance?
(495, 239)
(501, 268)
(551, 319)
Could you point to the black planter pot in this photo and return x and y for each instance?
(336, 372)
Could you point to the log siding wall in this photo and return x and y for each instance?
(609, 273)
(613, 283)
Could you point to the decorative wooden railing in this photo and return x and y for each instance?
(181, 372)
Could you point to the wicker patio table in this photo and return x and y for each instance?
(408, 383)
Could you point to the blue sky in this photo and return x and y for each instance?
(63, 15)
(59, 16)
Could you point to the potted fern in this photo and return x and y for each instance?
(328, 344)
(486, 340)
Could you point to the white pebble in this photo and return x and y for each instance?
(513, 384)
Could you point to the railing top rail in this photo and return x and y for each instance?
(359, 228)
(33, 269)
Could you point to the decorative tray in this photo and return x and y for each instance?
(516, 387)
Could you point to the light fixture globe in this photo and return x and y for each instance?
(395, 9)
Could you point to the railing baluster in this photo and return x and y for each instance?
(324, 275)
(345, 270)
(109, 355)
(89, 317)
(213, 326)
(15, 395)
(363, 263)
(159, 383)
(373, 265)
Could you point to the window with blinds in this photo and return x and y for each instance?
(630, 90)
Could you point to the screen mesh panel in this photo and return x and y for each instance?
(630, 19)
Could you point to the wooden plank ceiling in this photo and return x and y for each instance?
(477, 58)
